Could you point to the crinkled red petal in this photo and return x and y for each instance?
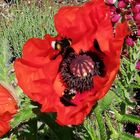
(4, 127)
(80, 23)
(36, 77)
(38, 51)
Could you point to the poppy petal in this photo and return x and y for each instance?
(8, 107)
(38, 51)
(30, 75)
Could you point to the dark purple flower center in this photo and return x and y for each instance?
(77, 70)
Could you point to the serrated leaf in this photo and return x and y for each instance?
(114, 134)
(101, 124)
(106, 101)
(24, 114)
(138, 79)
(130, 118)
(126, 136)
(90, 130)
(5, 55)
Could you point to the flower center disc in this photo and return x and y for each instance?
(81, 66)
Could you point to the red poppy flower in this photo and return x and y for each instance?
(8, 108)
(68, 73)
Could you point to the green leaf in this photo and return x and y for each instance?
(126, 136)
(24, 114)
(126, 117)
(4, 56)
(61, 132)
(114, 134)
(98, 113)
(106, 101)
(90, 130)
(130, 118)
(138, 79)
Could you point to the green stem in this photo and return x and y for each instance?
(33, 130)
(90, 130)
(111, 128)
(101, 125)
(126, 136)
(61, 132)
(125, 117)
